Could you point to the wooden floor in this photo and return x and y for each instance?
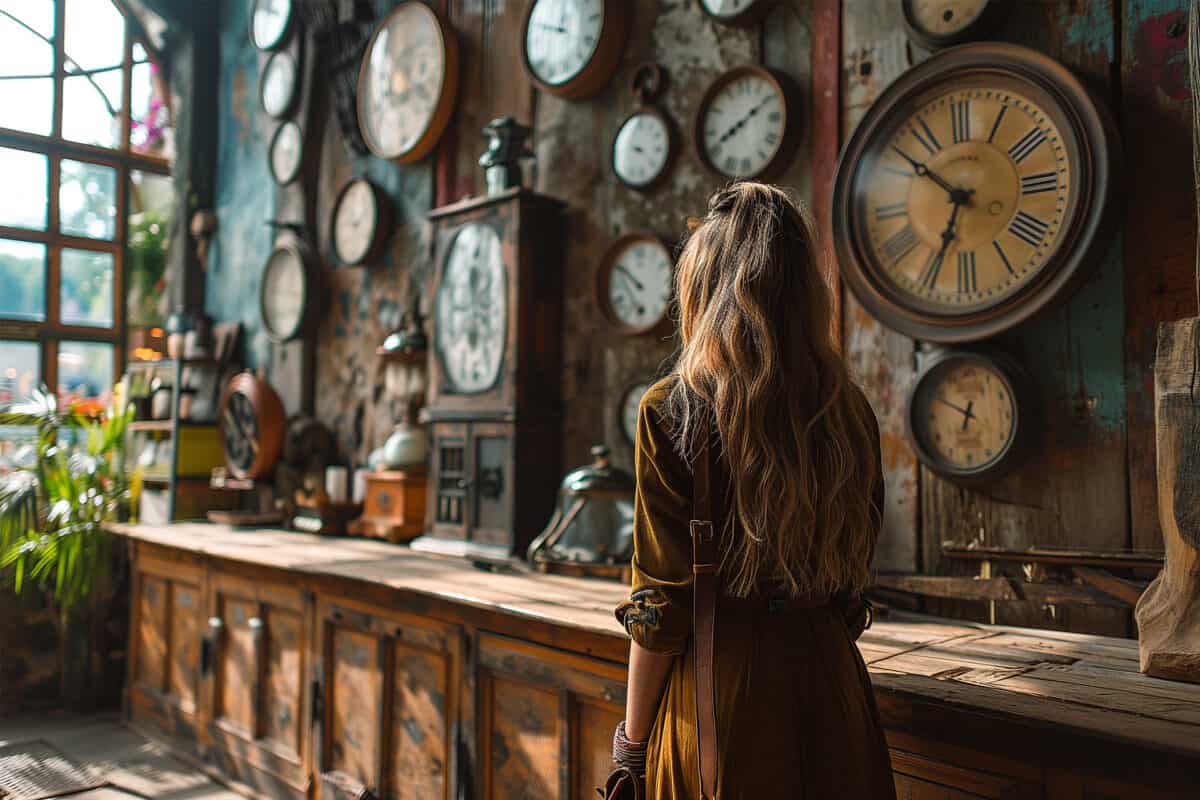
(129, 766)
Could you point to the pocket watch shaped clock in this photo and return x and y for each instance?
(974, 193)
(287, 295)
(746, 126)
(277, 88)
(644, 146)
(735, 12)
(471, 310)
(270, 22)
(286, 153)
(362, 221)
(970, 416)
(934, 24)
(634, 282)
(408, 83)
(571, 47)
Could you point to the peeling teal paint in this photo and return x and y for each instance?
(1091, 29)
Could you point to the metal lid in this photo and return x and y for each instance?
(599, 477)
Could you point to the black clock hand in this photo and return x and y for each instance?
(966, 412)
(629, 276)
(737, 126)
(967, 415)
(554, 28)
(925, 172)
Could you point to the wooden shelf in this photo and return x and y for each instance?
(150, 425)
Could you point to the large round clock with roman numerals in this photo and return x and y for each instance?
(974, 193)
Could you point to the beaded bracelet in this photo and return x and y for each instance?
(631, 755)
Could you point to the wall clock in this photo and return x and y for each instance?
(286, 295)
(252, 424)
(934, 24)
(408, 83)
(628, 410)
(278, 85)
(286, 153)
(735, 12)
(969, 416)
(471, 316)
(571, 47)
(644, 146)
(634, 282)
(362, 221)
(270, 23)
(974, 192)
(746, 125)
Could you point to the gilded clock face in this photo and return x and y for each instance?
(635, 283)
(561, 38)
(742, 124)
(642, 149)
(471, 320)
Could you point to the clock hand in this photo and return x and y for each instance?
(967, 415)
(554, 28)
(737, 126)
(629, 276)
(966, 412)
(957, 196)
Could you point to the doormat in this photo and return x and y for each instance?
(34, 770)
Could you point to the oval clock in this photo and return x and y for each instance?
(362, 216)
(746, 125)
(974, 193)
(644, 146)
(571, 47)
(286, 152)
(270, 22)
(286, 295)
(277, 88)
(634, 282)
(934, 24)
(252, 424)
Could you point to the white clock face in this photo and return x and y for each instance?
(562, 38)
(742, 126)
(641, 150)
(269, 22)
(946, 17)
(629, 410)
(278, 84)
(284, 294)
(285, 153)
(725, 9)
(402, 80)
(355, 221)
(472, 310)
(639, 284)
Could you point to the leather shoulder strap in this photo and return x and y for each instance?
(704, 591)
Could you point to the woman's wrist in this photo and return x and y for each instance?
(627, 752)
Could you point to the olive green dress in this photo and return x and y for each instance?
(796, 717)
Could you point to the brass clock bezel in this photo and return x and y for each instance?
(443, 109)
(982, 27)
(757, 10)
(380, 234)
(606, 55)
(1019, 387)
(604, 274)
(1085, 122)
(791, 120)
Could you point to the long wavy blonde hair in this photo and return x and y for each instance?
(758, 356)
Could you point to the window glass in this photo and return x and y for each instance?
(151, 198)
(19, 376)
(87, 200)
(27, 65)
(86, 291)
(85, 371)
(94, 45)
(150, 127)
(92, 108)
(30, 171)
(23, 278)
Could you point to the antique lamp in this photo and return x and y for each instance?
(591, 531)
(394, 507)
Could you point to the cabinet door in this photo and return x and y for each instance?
(389, 684)
(491, 482)
(447, 515)
(545, 720)
(165, 647)
(261, 644)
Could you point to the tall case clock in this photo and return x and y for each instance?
(494, 404)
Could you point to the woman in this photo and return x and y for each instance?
(797, 495)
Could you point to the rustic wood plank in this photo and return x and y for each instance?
(1127, 592)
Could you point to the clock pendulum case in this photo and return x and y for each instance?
(494, 403)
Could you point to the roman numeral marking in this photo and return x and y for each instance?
(1003, 257)
(966, 273)
(899, 244)
(1041, 182)
(1028, 228)
(1027, 144)
(928, 141)
(996, 124)
(960, 120)
(932, 268)
(891, 210)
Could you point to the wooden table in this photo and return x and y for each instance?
(289, 662)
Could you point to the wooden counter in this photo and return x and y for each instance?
(302, 666)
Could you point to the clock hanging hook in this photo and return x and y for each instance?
(647, 82)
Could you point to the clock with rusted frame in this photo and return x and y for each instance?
(934, 24)
(570, 48)
(974, 193)
(494, 403)
(747, 124)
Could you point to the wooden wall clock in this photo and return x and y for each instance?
(747, 124)
(361, 223)
(494, 404)
(934, 24)
(252, 425)
(279, 84)
(970, 416)
(644, 147)
(271, 22)
(287, 297)
(571, 47)
(974, 193)
(408, 83)
(736, 12)
(634, 283)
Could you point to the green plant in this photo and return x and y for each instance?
(52, 513)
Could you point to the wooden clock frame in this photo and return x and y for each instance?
(982, 27)
(384, 221)
(791, 120)
(757, 10)
(599, 68)
(648, 83)
(270, 421)
(604, 272)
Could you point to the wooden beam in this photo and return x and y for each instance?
(1123, 590)
(1107, 559)
(999, 590)
(826, 126)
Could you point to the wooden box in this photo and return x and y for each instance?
(394, 508)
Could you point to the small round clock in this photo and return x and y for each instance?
(362, 217)
(969, 416)
(471, 310)
(408, 83)
(934, 24)
(286, 295)
(270, 23)
(746, 125)
(286, 153)
(252, 423)
(571, 47)
(644, 146)
(735, 12)
(974, 192)
(633, 283)
(631, 400)
(278, 84)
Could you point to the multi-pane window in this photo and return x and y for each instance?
(85, 195)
